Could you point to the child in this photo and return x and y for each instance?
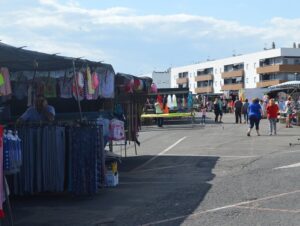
(272, 111)
(203, 111)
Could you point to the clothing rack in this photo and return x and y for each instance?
(68, 158)
(6, 195)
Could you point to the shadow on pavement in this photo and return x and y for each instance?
(171, 186)
(167, 187)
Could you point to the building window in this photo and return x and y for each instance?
(254, 65)
(254, 79)
(246, 66)
(247, 80)
(216, 83)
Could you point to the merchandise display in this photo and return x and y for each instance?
(63, 149)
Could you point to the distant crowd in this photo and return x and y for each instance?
(250, 113)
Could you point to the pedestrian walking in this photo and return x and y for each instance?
(263, 108)
(216, 109)
(224, 106)
(245, 111)
(289, 112)
(203, 113)
(238, 111)
(255, 114)
(159, 110)
(220, 109)
(272, 112)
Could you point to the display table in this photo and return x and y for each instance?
(178, 115)
(170, 115)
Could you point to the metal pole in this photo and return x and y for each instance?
(77, 91)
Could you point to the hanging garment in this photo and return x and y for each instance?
(105, 127)
(20, 88)
(12, 152)
(96, 85)
(190, 100)
(91, 89)
(43, 160)
(138, 85)
(86, 160)
(5, 84)
(183, 102)
(174, 99)
(86, 92)
(95, 80)
(107, 84)
(2, 196)
(170, 102)
(30, 95)
(129, 86)
(65, 87)
(116, 130)
(153, 88)
(50, 88)
(78, 86)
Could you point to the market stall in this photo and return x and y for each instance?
(62, 155)
(130, 96)
(178, 100)
(281, 92)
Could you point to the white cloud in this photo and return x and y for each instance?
(73, 7)
(72, 17)
(73, 30)
(48, 45)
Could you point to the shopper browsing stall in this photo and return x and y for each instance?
(41, 111)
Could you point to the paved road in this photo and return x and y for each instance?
(205, 175)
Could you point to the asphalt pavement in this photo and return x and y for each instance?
(188, 174)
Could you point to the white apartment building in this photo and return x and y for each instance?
(260, 69)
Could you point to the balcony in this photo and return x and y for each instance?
(233, 86)
(232, 74)
(206, 77)
(268, 83)
(181, 81)
(206, 89)
(278, 68)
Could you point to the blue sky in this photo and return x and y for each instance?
(141, 36)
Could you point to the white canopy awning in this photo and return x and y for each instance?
(286, 85)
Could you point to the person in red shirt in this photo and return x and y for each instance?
(272, 111)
